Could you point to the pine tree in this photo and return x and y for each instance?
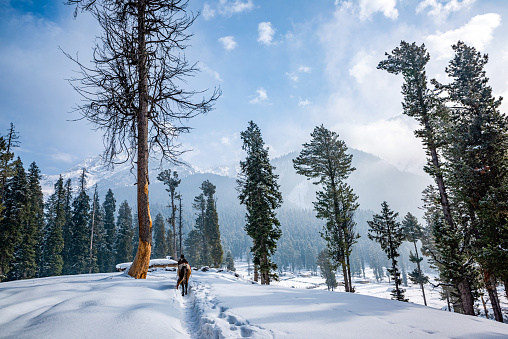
(96, 233)
(327, 269)
(123, 244)
(428, 109)
(29, 250)
(230, 262)
(193, 248)
(171, 180)
(80, 231)
(7, 166)
(385, 230)
(13, 223)
(67, 229)
(160, 248)
(413, 232)
(107, 254)
(202, 251)
(51, 263)
(259, 192)
(211, 225)
(325, 160)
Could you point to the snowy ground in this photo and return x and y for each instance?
(219, 305)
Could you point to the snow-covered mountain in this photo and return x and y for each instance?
(374, 180)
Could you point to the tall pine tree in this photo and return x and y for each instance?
(259, 192)
(123, 244)
(106, 256)
(51, 262)
(325, 159)
(160, 247)
(387, 231)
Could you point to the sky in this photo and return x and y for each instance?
(286, 65)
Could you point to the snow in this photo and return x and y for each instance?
(153, 262)
(219, 305)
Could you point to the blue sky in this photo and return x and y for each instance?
(286, 65)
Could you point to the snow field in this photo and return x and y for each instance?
(219, 305)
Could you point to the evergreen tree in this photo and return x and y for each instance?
(230, 262)
(13, 223)
(193, 248)
(327, 269)
(107, 253)
(7, 166)
(51, 263)
(96, 233)
(211, 225)
(477, 166)
(135, 238)
(33, 223)
(160, 248)
(385, 230)
(325, 160)
(67, 229)
(201, 246)
(427, 108)
(259, 192)
(171, 180)
(80, 233)
(123, 244)
(413, 232)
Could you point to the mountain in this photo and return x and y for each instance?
(374, 181)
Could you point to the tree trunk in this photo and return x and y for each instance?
(490, 285)
(139, 267)
(348, 267)
(506, 286)
(344, 272)
(256, 273)
(466, 297)
(420, 273)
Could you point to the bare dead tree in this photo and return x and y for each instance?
(134, 90)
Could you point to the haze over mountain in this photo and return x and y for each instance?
(374, 181)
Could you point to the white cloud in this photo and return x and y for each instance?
(304, 69)
(208, 12)
(391, 139)
(292, 76)
(210, 71)
(477, 32)
(260, 97)
(303, 103)
(266, 33)
(227, 8)
(364, 64)
(367, 8)
(440, 11)
(63, 157)
(228, 42)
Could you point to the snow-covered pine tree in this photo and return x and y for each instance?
(428, 109)
(171, 180)
(413, 232)
(51, 262)
(387, 231)
(106, 255)
(13, 222)
(259, 192)
(160, 247)
(325, 159)
(124, 235)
